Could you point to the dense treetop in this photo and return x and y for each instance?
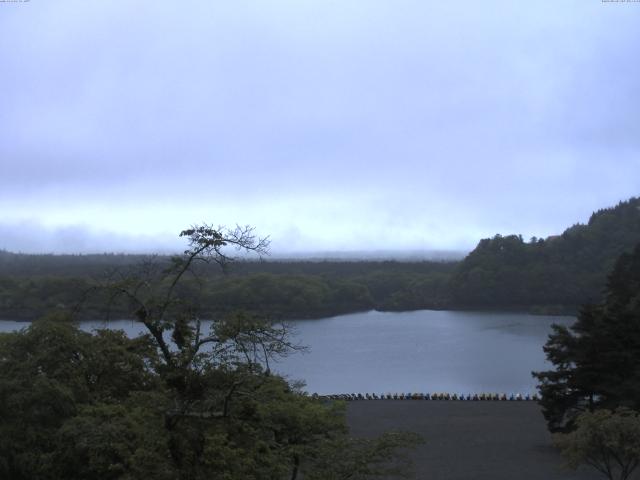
(557, 273)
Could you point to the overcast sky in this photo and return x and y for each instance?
(328, 125)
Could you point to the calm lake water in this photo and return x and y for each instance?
(421, 351)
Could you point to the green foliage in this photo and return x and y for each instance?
(113, 441)
(49, 373)
(607, 441)
(596, 360)
(547, 276)
(268, 288)
(67, 415)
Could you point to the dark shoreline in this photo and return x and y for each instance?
(470, 440)
(565, 313)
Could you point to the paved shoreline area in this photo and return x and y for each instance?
(470, 440)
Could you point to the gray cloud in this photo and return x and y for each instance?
(362, 125)
(30, 237)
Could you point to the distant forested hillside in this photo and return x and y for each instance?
(554, 274)
(31, 285)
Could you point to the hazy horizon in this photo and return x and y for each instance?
(405, 126)
(35, 239)
(311, 255)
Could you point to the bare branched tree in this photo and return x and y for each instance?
(158, 298)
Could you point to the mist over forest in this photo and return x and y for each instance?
(552, 276)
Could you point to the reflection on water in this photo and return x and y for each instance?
(421, 351)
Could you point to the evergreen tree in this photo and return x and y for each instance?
(597, 360)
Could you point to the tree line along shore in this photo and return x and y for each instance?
(553, 275)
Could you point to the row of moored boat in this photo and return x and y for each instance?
(431, 396)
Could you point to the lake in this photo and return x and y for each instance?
(420, 351)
